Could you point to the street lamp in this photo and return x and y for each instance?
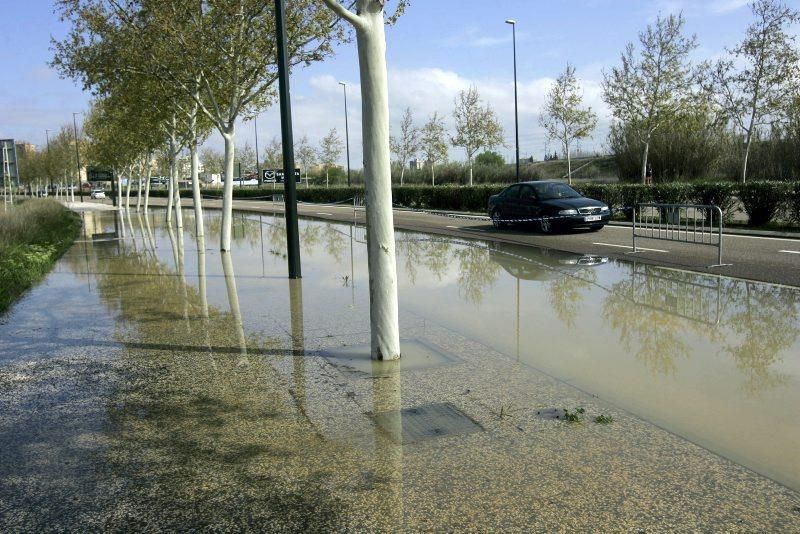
(346, 131)
(258, 167)
(49, 163)
(516, 109)
(77, 156)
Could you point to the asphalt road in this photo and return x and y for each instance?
(767, 259)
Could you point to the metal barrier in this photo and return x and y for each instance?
(686, 223)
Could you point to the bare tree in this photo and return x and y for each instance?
(273, 154)
(755, 84)
(330, 150)
(306, 155)
(654, 84)
(564, 118)
(477, 127)
(434, 143)
(407, 145)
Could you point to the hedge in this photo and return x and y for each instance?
(764, 202)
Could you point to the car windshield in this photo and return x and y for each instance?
(552, 191)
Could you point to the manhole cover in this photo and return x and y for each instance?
(426, 422)
(416, 354)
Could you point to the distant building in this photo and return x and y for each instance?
(24, 148)
(416, 164)
(185, 166)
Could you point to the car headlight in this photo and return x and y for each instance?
(604, 209)
(568, 212)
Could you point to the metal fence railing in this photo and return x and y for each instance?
(686, 223)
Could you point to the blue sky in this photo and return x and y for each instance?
(438, 48)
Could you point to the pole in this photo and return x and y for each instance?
(77, 154)
(346, 131)
(49, 177)
(258, 167)
(516, 105)
(289, 186)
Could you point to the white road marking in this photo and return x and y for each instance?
(322, 213)
(725, 234)
(790, 251)
(626, 246)
(448, 226)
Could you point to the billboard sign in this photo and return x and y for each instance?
(275, 176)
(98, 174)
(9, 169)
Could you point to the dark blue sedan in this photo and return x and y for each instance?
(549, 206)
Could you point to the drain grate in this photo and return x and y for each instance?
(427, 422)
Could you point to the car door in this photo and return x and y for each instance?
(528, 203)
(511, 207)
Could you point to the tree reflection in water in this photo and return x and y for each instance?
(753, 322)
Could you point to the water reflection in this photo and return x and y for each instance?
(233, 301)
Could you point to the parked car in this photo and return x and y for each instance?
(550, 206)
(98, 193)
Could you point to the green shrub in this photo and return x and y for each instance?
(793, 203)
(33, 235)
(722, 194)
(762, 200)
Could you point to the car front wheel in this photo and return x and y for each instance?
(545, 225)
(497, 219)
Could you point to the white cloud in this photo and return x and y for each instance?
(425, 91)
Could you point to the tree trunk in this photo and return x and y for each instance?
(402, 172)
(171, 185)
(177, 191)
(326, 178)
(196, 198)
(147, 185)
(747, 143)
(569, 166)
(433, 174)
(227, 190)
(644, 161)
(139, 193)
(128, 190)
(371, 37)
(470, 171)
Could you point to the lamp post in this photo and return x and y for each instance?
(258, 167)
(346, 131)
(513, 24)
(49, 163)
(289, 187)
(77, 155)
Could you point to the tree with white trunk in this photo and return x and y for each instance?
(330, 150)
(227, 62)
(756, 84)
(369, 22)
(306, 155)
(433, 142)
(653, 85)
(273, 154)
(477, 126)
(564, 118)
(407, 145)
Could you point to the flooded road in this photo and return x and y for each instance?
(152, 381)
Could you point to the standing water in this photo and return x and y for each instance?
(154, 382)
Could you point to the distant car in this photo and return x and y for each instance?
(549, 205)
(98, 193)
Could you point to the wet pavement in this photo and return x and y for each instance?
(153, 383)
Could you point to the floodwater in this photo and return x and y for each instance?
(152, 381)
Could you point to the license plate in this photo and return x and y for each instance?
(592, 218)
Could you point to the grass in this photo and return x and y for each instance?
(33, 235)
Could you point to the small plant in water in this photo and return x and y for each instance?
(574, 417)
(346, 280)
(603, 419)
